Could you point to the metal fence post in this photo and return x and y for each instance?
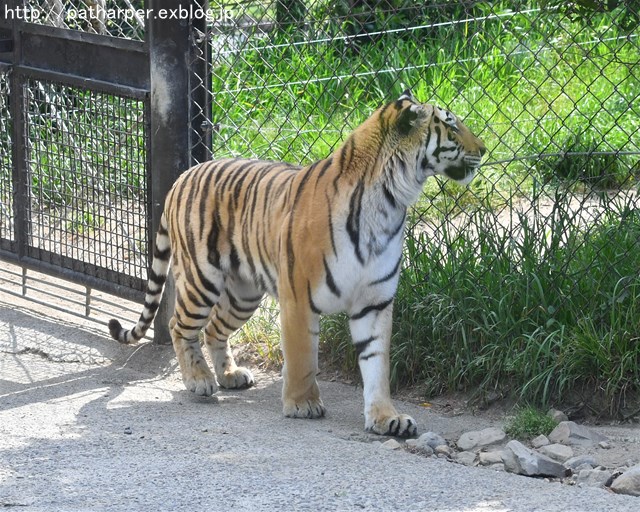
(200, 90)
(169, 56)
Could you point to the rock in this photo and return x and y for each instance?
(605, 445)
(594, 477)
(391, 444)
(558, 452)
(569, 432)
(490, 458)
(581, 460)
(423, 448)
(628, 482)
(465, 458)
(540, 441)
(524, 461)
(481, 438)
(128, 431)
(557, 415)
(431, 439)
(443, 451)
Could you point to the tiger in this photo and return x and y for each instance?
(321, 239)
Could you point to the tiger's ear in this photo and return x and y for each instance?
(409, 117)
(406, 95)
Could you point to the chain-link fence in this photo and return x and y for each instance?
(546, 239)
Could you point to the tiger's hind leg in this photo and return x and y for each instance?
(300, 332)
(192, 308)
(237, 304)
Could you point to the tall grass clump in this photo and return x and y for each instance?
(531, 302)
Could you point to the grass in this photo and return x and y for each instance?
(538, 303)
(278, 101)
(529, 422)
(262, 334)
(539, 309)
(493, 293)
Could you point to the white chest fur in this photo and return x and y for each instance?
(364, 267)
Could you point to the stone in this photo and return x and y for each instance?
(559, 452)
(431, 439)
(524, 461)
(443, 451)
(594, 477)
(557, 415)
(605, 445)
(391, 444)
(481, 438)
(569, 432)
(575, 463)
(490, 458)
(628, 482)
(540, 441)
(465, 458)
(423, 448)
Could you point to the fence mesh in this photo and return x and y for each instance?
(552, 92)
(88, 182)
(117, 18)
(6, 160)
(547, 236)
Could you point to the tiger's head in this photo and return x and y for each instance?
(424, 140)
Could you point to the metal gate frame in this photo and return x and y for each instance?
(157, 71)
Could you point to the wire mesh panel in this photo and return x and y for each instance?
(543, 246)
(118, 18)
(87, 186)
(6, 160)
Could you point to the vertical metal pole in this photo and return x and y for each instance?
(200, 103)
(168, 41)
(20, 145)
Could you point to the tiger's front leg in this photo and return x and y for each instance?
(371, 334)
(300, 331)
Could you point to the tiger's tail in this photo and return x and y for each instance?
(155, 286)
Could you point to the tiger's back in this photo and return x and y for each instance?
(321, 239)
(224, 213)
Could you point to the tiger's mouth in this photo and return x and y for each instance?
(462, 173)
(465, 170)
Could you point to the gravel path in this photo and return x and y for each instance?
(86, 424)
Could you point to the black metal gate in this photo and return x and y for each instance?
(85, 117)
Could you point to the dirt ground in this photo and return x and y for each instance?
(88, 424)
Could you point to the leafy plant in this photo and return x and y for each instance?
(586, 159)
(529, 422)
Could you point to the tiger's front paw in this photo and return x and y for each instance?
(310, 408)
(201, 383)
(237, 379)
(399, 425)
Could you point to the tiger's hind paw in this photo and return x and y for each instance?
(310, 408)
(401, 425)
(239, 378)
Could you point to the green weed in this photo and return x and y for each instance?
(529, 422)
(536, 303)
(262, 334)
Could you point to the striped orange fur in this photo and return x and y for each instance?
(322, 239)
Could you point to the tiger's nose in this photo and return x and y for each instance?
(482, 150)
